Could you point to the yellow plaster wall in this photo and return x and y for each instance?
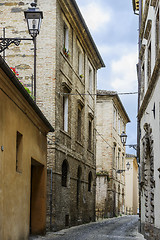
(16, 115)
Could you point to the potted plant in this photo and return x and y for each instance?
(66, 52)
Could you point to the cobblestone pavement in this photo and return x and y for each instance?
(121, 228)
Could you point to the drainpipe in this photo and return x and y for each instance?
(138, 121)
(51, 200)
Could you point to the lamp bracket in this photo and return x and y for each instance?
(120, 171)
(6, 42)
(134, 146)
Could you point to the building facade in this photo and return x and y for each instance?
(67, 64)
(110, 156)
(149, 117)
(23, 160)
(131, 183)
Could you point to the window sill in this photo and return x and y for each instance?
(66, 133)
(80, 143)
(90, 150)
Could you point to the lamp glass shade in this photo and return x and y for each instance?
(128, 166)
(34, 18)
(123, 137)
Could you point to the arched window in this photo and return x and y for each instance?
(89, 181)
(64, 173)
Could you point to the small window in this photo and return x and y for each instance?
(79, 123)
(19, 149)
(64, 173)
(66, 37)
(89, 182)
(119, 124)
(90, 133)
(114, 155)
(118, 164)
(80, 69)
(114, 118)
(65, 112)
(90, 80)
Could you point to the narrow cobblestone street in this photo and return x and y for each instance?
(125, 228)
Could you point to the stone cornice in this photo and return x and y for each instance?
(150, 88)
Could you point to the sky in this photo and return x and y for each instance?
(114, 28)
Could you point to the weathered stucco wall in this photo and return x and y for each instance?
(15, 188)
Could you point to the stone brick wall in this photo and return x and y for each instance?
(106, 159)
(54, 72)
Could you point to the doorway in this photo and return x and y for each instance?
(37, 198)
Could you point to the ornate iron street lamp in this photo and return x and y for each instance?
(123, 170)
(33, 17)
(123, 137)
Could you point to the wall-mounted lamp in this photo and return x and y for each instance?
(123, 170)
(33, 17)
(123, 137)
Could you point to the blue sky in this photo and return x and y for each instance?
(114, 28)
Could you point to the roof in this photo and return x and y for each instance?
(4, 66)
(78, 13)
(114, 94)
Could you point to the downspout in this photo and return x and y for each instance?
(51, 201)
(138, 121)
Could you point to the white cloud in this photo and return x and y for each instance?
(124, 76)
(95, 15)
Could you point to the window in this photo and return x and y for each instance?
(114, 154)
(65, 113)
(90, 133)
(79, 123)
(122, 162)
(114, 118)
(65, 107)
(66, 37)
(80, 70)
(89, 182)
(119, 124)
(149, 62)
(157, 34)
(64, 173)
(118, 164)
(90, 80)
(19, 149)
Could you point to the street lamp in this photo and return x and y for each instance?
(123, 170)
(128, 166)
(123, 137)
(33, 17)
